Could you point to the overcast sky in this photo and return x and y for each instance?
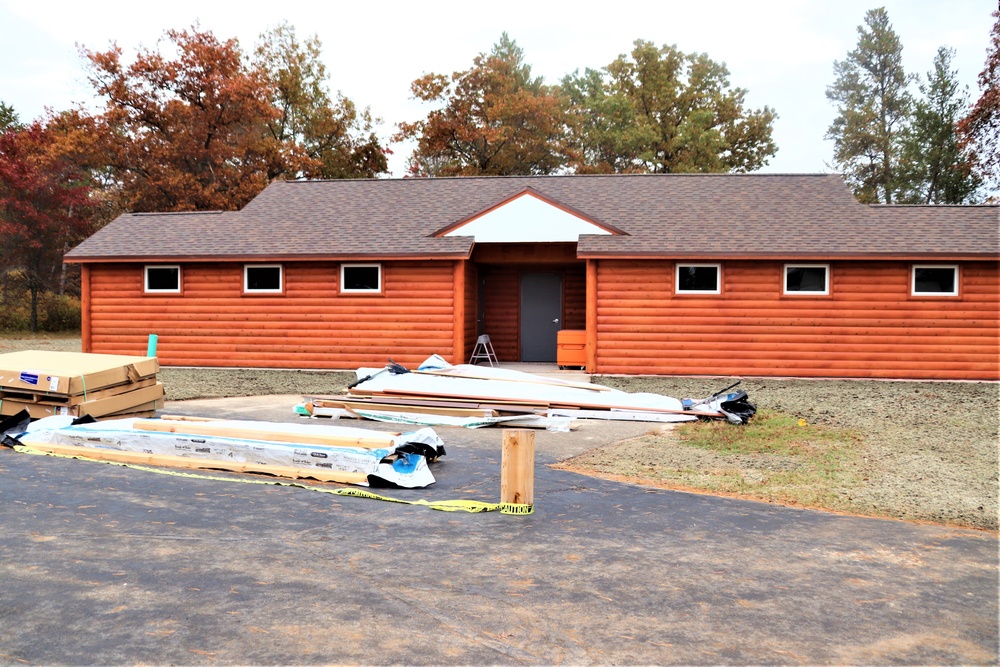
(781, 51)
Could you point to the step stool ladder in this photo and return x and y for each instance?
(484, 351)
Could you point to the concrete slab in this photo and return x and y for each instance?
(106, 565)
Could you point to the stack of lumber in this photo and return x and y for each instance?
(438, 390)
(75, 384)
(325, 453)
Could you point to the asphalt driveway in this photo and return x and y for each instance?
(101, 564)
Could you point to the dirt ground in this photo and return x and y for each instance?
(931, 448)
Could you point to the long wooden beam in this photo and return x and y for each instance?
(169, 461)
(374, 441)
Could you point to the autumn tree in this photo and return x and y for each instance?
(184, 133)
(45, 204)
(873, 110)
(209, 127)
(319, 136)
(663, 111)
(494, 119)
(980, 129)
(934, 167)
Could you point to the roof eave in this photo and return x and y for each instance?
(347, 257)
(902, 256)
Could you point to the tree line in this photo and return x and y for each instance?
(894, 147)
(202, 124)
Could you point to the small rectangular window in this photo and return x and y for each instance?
(262, 278)
(807, 279)
(360, 278)
(935, 281)
(162, 280)
(698, 279)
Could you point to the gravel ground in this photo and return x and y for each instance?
(931, 447)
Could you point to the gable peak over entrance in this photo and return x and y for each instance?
(527, 217)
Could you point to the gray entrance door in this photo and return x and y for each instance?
(541, 311)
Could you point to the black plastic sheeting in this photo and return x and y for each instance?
(738, 405)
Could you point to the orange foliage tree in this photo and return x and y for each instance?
(981, 128)
(208, 127)
(495, 119)
(46, 203)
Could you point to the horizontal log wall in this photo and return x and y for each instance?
(310, 326)
(869, 326)
(502, 313)
(575, 298)
(471, 312)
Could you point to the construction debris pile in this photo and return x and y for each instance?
(47, 383)
(438, 393)
(326, 453)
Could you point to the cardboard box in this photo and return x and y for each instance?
(71, 373)
(129, 401)
(63, 399)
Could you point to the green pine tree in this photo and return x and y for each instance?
(873, 110)
(936, 169)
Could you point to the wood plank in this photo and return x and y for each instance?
(410, 409)
(539, 380)
(476, 399)
(374, 441)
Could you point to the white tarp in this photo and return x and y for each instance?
(504, 385)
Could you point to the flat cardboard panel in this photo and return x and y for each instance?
(138, 398)
(63, 399)
(71, 373)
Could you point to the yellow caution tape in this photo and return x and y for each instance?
(472, 506)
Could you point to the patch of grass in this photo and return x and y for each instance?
(769, 432)
(776, 457)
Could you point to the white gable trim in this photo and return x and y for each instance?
(526, 218)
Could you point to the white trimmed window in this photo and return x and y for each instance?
(262, 279)
(361, 278)
(934, 280)
(162, 279)
(807, 279)
(698, 279)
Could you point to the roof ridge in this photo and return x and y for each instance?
(936, 206)
(179, 212)
(313, 181)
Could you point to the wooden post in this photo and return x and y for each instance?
(458, 313)
(86, 338)
(517, 467)
(591, 314)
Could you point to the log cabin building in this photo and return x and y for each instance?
(723, 274)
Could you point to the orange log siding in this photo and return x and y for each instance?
(311, 325)
(471, 312)
(868, 327)
(502, 312)
(575, 298)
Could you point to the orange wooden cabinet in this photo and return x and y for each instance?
(571, 348)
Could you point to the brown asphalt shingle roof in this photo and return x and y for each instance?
(696, 215)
